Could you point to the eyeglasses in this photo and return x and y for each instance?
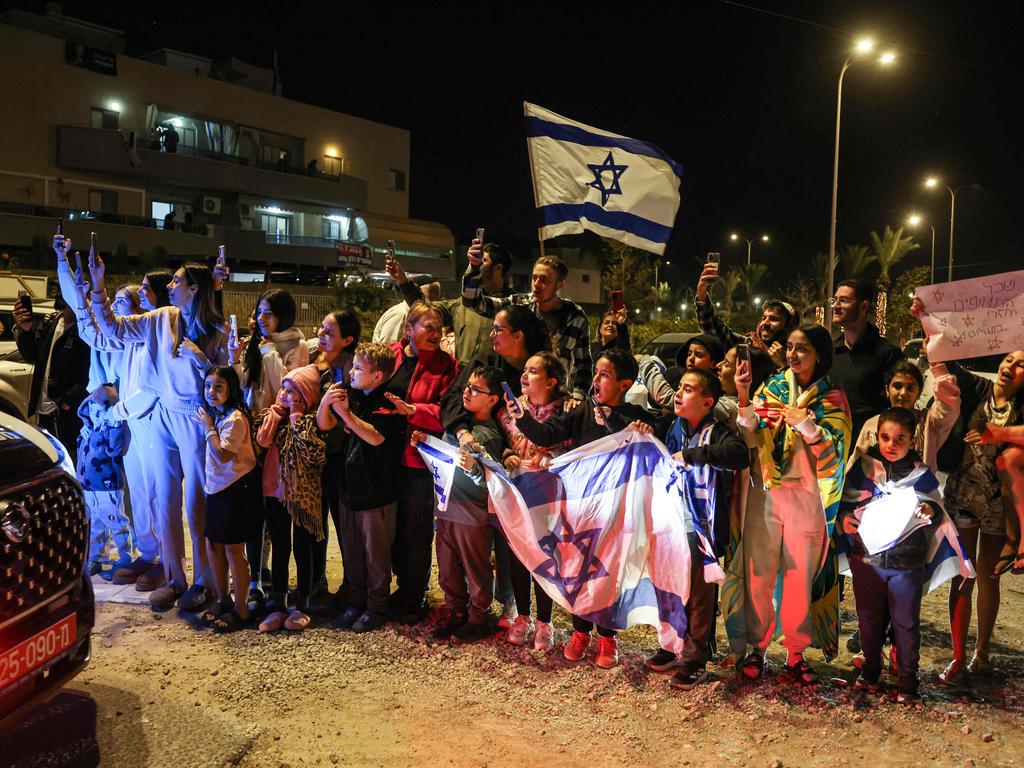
(496, 329)
(476, 390)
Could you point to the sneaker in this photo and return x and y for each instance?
(195, 598)
(164, 598)
(689, 675)
(130, 573)
(607, 652)
(349, 617)
(662, 661)
(544, 636)
(520, 630)
(508, 616)
(444, 631)
(107, 574)
(865, 683)
(577, 646)
(471, 632)
(753, 666)
(369, 621)
(151, 579)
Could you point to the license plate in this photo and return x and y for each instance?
(31, 654)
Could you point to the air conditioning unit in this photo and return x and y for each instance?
(211, 206)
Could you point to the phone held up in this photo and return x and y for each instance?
(389, 255)
(516, 409)
(714, 258)
(26, 300)
(743, 354)
(618, 303)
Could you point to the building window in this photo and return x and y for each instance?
(333, 166)
(104, 118)
(586, 278)
(396, 180)
(332, 230)
(280, 226)
(103, 200)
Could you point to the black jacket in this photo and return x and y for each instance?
(370, 476)
(580, 425)
(453, 416)
(69, 365)
(860, 373)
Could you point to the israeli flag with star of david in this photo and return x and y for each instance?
(604, 532)
(585, 178)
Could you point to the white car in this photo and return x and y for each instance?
(15, 373)
(987, 367)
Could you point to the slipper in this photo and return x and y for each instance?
(297, 621)
(229, 621)
(211, 614)
(273, 622)
(800, 673)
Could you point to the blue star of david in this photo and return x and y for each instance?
(598, 182)
(590, 567)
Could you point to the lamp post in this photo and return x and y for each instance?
(914, 220)
(658, 264)
(863, 47)
(933, 183)
(750, 243)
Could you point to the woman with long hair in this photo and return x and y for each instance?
(274, 348)
(183, 341)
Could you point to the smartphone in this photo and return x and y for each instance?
(92, 241)
(743, 354)
(389, 254)
(234, 328)
(480, 235)
(618, 302)
(26, 300)
(714, 258)
(515, 407)
(221, 257)
(79, 272)
(60, 226)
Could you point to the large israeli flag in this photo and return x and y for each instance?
(586, 178)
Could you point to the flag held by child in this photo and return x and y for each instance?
(585, 178)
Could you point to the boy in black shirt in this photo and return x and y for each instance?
(603, 414)
(366, 489)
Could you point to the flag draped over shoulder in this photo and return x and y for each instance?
(946, 558)
(604, 531)
(585, 178)
(775, 446)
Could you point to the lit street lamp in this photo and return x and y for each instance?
(933, 183)
(914, 220)
(863, 48)
(750, 243)
(658, 264)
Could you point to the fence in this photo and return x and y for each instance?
(309, 309)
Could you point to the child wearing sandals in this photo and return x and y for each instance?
(543, 383)
(292, 494)
(889, 584)
(232, 492)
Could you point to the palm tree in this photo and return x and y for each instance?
(750, 276)
(856, 260)
(888, 250)
(820, 271)
(730, 282)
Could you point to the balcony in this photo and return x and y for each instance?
(106, 151)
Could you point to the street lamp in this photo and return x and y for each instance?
(658, 264)
(862, 49)
(934, 183)
(914, 220)
(750, 243)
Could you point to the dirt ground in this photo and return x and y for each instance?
(160, 692)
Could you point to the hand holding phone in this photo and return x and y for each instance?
(511, 403)
(26, 301)
(714, 258)
(234, 330)
(221, 256)
(618, 302)
(743, 354)
(480, 235)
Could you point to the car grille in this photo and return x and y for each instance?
(43, 542)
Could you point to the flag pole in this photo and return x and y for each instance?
(533, 180)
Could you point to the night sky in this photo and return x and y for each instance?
(742, 97)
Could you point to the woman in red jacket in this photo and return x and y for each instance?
(422, 372)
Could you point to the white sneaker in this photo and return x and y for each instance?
(519, 630)
(508, 616)
(544, 637)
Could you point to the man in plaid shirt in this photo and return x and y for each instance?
(564, 320)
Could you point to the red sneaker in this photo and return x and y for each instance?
(577, 646)
(607, 652)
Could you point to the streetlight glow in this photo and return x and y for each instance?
(914, 219)
(757, 301)
(931, 182)
(887, 58)
(734, 236)
(764, 238)
(865, 45)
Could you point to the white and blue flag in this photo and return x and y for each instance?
(586, 178)
(603, 530)
(440, 460)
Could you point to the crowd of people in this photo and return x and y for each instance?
(265, 439)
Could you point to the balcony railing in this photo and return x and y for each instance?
(69, 214)
(274, 238)
(152, 143)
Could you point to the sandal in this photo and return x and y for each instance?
(229, 621)
(210, 615)
(954, 675)
(753, 666)
(297, 621)
(273, 622)
(980, 665)
(800, 673)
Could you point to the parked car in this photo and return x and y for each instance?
(666, 345)
(47, 607)
(987, 367)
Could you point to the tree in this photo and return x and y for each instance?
(820, 272)
(856, 260)
(629, 270)
(888, 250)
(750, 276)
(806, 296)
(901, 326)
(729, 283)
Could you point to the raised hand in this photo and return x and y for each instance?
(61, 246)
(394, 268)
(97, 270)
(476, 252)
(708, 276)
(22, 316)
